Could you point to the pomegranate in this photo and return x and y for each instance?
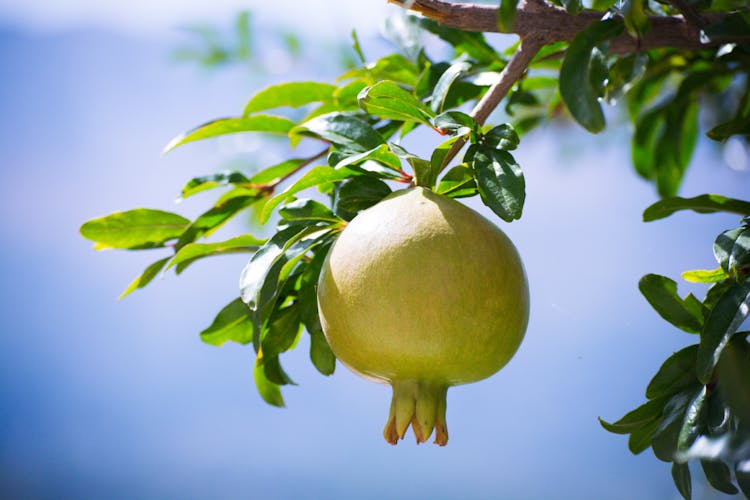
(423, 293)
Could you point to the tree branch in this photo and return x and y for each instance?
(554, 24)
(689, 12)
(510, 74)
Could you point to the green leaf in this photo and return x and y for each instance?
(458, 182)
(342, 129)
(675, 375)
(704, 275)
(380, 161)
(636, 20)
(223, 126)
(441, 153)
(308, 211)
(218, 215)
(576, 89)
(694, 421)
(359, 193)
(198, 184)
(661, 293)
(270, 392)
(317, 176)
(195, 251)
(273, 174)
(501, 137)
(234, 322)
(664, 441)
(424, 173)
(640, 439)
(145, 278)
(388, 100)
(443, 85)
(292, 94)
(321, 355)
(649, 132)
(500, 182)
(134, 229)
(734, 248)
(454, 122)
(274, 372)
(636, 419)
(681, 478)
(726, 317)
(393, 67)
(506, 15)
(719, 476)
(281, 331)
(703, 204)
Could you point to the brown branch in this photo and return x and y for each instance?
(554, 24)
(689, 12)
(510, 74)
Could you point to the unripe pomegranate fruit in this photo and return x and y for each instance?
(423, 293)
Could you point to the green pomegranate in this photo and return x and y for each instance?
(423, 293)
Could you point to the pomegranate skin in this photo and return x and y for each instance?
(422, 292)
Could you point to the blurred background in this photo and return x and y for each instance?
(108, 399)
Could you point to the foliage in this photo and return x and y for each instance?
(698, 403)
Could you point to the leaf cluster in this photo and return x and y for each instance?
(698, 403)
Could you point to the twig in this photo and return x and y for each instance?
(510, 74)
(554, 24)
(690, 13)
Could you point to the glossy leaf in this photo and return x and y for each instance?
(704, 275)
(675, 375)
(636, 419)
(454, 122)
(388, 100)
(500, 182)
(321, 355)
(458, 182)
(273, 174)
(503, 136)
(274, 372)
(308, 211)
(270, 392)
(704, 204)
(424, 173)
(726, 317)
(380, 161)
(359, 193)
(393, 67)
(223, 126)
(719, 476)
(233, 323)
(443, 85)
(198, 184)
(694, 420)
(661, 293)
(145, 278)
(315, 177)
(281, 331)
(195, 251)
(681, 478)
(724, 247)
(342, 129)
(640, 439)
(293, 94)
(218, 215)
(664, 441)
(135, 229)
(576, 89)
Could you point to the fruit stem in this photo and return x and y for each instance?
(421, 405)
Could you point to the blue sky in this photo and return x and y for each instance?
(100, 398)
